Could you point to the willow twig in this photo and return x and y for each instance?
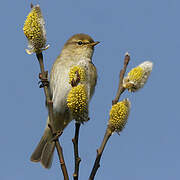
(121, 89)
(107, 135)
(77, 159)
(45, 83)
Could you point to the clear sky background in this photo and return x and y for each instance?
(149, 146)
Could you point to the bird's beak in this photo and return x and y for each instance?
(94, 43)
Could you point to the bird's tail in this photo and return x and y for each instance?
(44, 150)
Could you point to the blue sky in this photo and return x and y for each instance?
(149, 146)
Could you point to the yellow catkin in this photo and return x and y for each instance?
(77, 102)
(34, 30)
(73, 74)
(119, 115)
(138, 76)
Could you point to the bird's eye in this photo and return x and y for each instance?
(80, 42)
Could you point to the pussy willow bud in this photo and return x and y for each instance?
(138, 76)
(76, 71)
(35, 32)
(77, 103)
(119, 115)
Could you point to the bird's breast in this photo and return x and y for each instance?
(59, 81)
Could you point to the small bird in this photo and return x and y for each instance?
(78, 50)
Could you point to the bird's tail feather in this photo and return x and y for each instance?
(44, 150)
(47, 154)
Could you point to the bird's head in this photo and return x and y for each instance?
(80, 45)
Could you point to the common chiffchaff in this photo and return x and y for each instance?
(78, 50)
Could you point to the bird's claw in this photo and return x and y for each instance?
(43, 80)
(43, 83)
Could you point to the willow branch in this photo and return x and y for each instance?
(77, 159)
(107, 135)
(121, 89)
(109, 129)
(45, 83)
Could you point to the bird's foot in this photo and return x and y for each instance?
(43, 80)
